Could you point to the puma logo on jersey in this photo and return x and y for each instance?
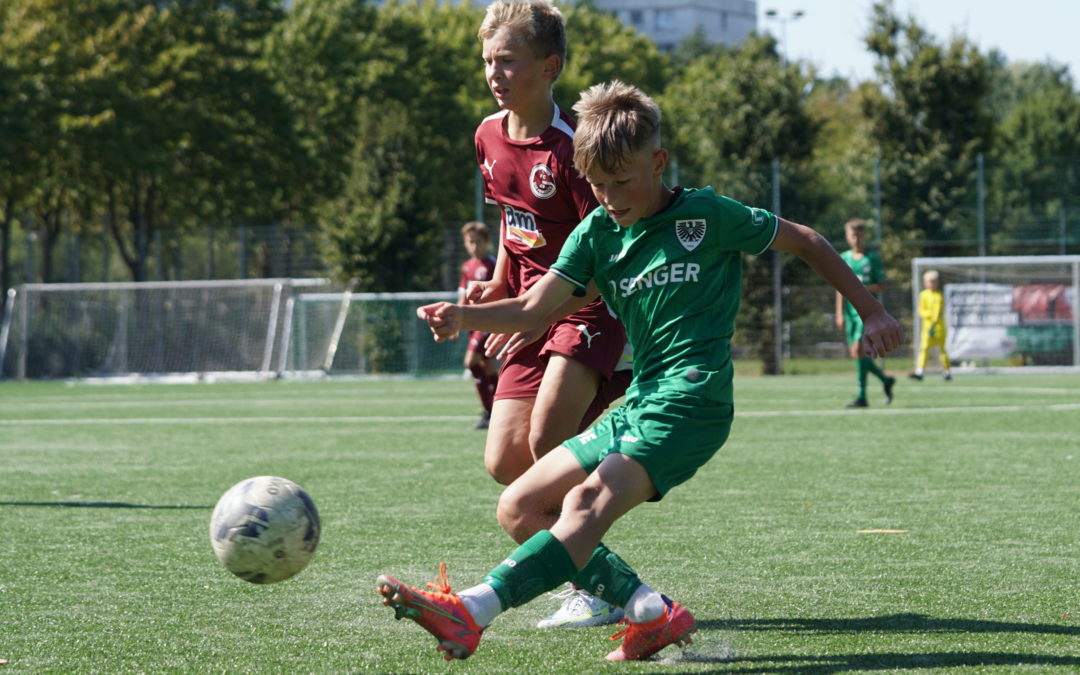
(588, 336)
(490, 168)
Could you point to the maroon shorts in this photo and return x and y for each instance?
(591, 337)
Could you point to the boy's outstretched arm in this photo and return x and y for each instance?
(509, 315)
(881, 332)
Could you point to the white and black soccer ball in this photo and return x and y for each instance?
(265, 529)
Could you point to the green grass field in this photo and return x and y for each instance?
(106, 566)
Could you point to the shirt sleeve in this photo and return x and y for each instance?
(747, 229)
(576, 261)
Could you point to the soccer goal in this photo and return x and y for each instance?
(146, 329)
(345, 333)
(1008, 314)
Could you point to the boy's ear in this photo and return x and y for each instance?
(552, 66)
(660, 159)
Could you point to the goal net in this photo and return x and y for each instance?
(1007, 313)
(364, 334)
(145, 329)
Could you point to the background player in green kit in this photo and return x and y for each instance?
(669, 263)
(868, 267)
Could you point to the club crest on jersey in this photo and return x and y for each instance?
(690, 232)
(542, 181)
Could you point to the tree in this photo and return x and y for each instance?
(600, 49)
(1037, 174)
(17, 144)
(930, 120)
(411, 158)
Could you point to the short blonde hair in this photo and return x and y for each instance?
(537, 24)
(615, 120)
(930, 275)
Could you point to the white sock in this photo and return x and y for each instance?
(482, 602)
(644, 605)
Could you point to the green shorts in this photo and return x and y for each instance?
(671, 434)
(853, 328)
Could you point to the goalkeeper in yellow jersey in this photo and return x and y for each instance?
(932, 318)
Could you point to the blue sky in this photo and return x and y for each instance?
(830, 32)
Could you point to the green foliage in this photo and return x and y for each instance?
(412, 163)
(731, 112)
(602, 49)
(930, 119)
(143, 124)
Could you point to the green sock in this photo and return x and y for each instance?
(873, 369)
(608, 577)
(535, 567)
(860, 374)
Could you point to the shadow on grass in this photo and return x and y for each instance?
(105, 505)
(840, 663)
(895, 623)
(731, 663)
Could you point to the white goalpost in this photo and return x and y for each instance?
(358, 334)
(1007, 313)
(214, 330)
(146, 329)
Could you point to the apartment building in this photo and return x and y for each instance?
(667, 22)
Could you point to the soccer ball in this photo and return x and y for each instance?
(264, 529)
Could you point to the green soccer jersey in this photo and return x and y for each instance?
(674, 280)
(870, 270)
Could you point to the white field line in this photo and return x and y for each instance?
(380, 419)
(238, 420)
(1055, 407)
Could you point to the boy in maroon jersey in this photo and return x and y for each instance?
(479, 267)
(553, 387)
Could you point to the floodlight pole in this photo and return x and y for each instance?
(778, 259)
(774, 14)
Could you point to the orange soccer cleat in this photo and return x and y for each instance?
(438, 611)
(642, 640)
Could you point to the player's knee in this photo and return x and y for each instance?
(504, 472)
(517, 513)
(506, 463)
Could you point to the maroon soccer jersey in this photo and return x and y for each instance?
(539, 193)
(476, 269)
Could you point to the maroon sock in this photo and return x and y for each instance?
(483, 386)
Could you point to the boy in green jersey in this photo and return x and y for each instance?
(669, 263)
(868, 268)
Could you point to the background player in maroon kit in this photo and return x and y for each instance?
(479, 267)
(552, 388)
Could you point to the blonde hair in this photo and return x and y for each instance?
(537, 24)
(931, 275)
(476, 227)
(615, 120)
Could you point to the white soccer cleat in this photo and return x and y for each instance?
(581, 610)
